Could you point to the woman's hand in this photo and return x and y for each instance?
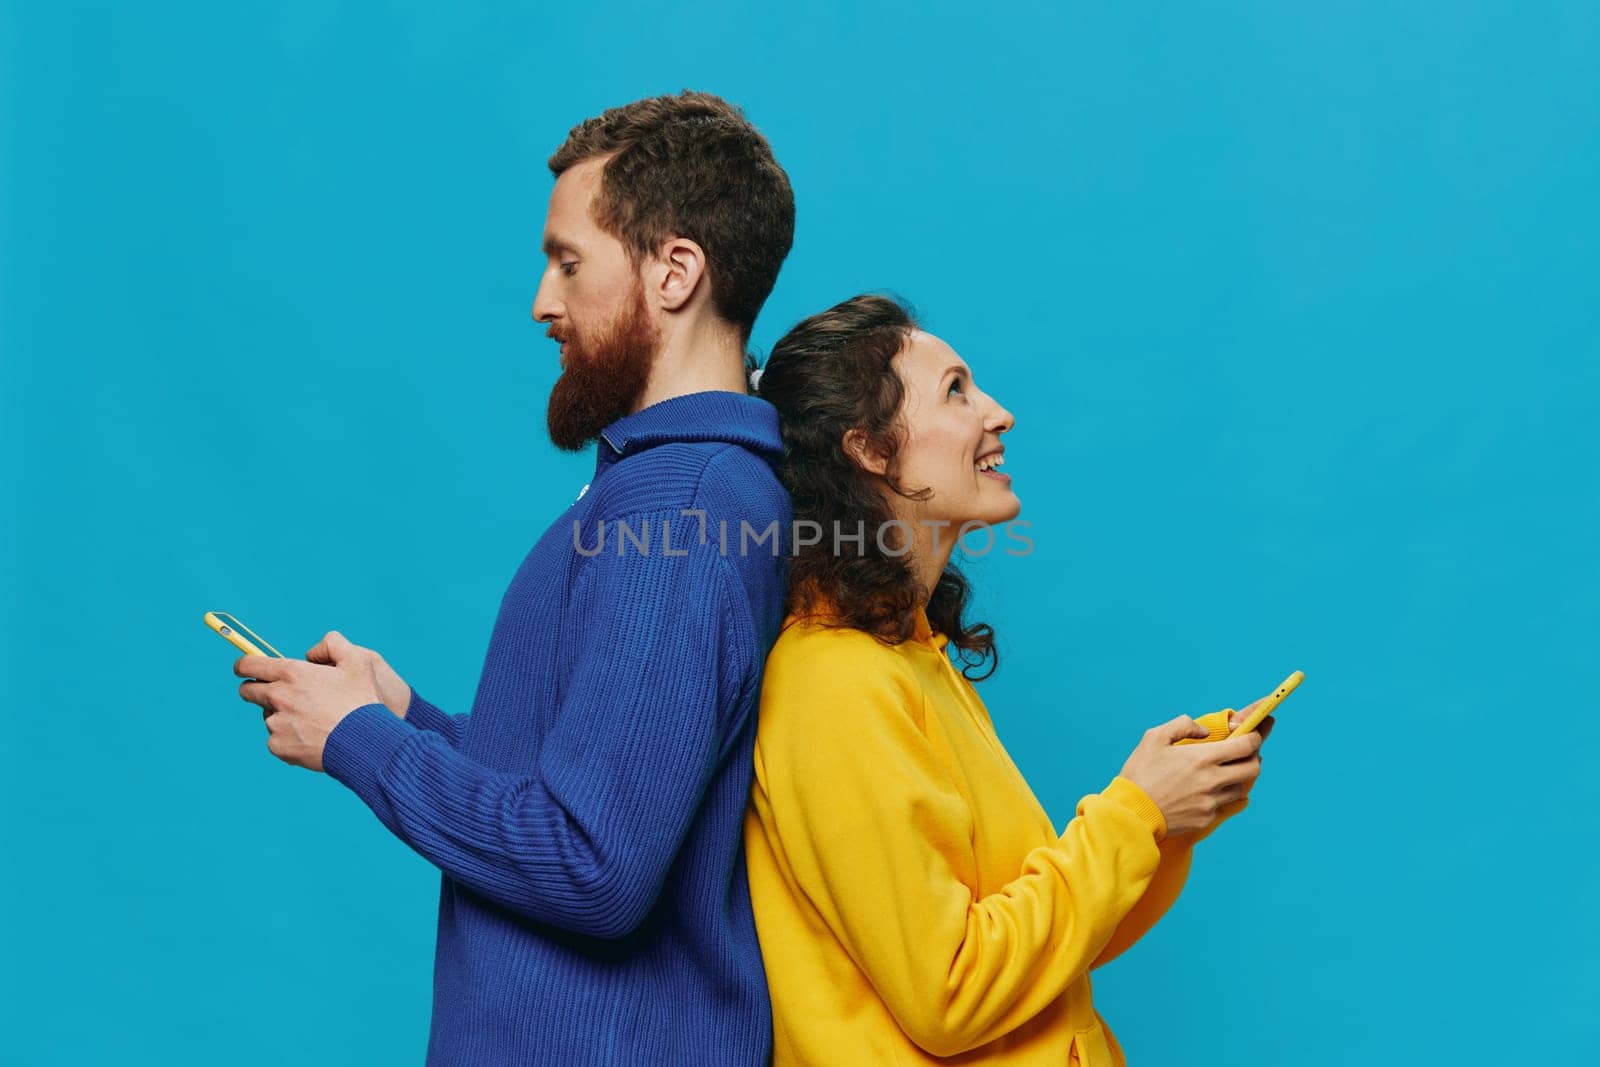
(1243, 713)
(1189, 783)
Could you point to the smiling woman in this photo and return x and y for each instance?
(867, 401)
(912, 897)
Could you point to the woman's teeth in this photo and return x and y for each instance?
(988, 463)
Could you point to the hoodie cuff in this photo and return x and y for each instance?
(361, 745)
(1215, 725)
(1127, 793)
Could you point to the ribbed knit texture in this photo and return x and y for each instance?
(594, 907)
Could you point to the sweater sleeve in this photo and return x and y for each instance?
(1177, 852)
(424, 716)
(880, 841)
(583, 838)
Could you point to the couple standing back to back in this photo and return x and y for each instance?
(723, 797)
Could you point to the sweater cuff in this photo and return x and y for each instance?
(361, 745)
(425, 716)
(1127, 793)
(1216, 726)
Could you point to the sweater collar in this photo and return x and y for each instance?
(925, 631)
(715, 415)
(827, 610)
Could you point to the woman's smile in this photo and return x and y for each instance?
(988, 463)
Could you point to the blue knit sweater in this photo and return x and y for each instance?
(587, 813)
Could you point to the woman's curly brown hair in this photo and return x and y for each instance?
(832, 373)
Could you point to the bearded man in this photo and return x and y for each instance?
(586, 814)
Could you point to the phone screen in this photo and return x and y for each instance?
(228, 624)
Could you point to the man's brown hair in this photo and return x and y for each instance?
(693, 166)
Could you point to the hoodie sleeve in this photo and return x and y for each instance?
(1177, 854)
(850, 791)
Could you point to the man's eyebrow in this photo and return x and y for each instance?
(554, 244)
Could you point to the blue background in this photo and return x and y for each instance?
(1295, 306)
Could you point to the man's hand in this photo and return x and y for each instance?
(1190, 783)
(392, 688)
(302, 702)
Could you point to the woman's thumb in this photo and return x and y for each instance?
(1181, 727)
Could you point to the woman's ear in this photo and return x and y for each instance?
(858, 446)
(683, 264)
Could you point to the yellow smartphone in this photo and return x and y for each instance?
(240, 636)
(1265, 705)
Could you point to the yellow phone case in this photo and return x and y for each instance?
(239, 635)
(1267, 703)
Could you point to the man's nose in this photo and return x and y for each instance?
(546, 307)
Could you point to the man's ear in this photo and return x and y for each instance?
(681, 265)
(859, 448)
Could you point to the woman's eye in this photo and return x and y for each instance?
(955, 386)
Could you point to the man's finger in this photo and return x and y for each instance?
(337, 645)
(265, 668)
(255, 693)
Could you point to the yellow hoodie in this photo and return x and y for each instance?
(912, 898)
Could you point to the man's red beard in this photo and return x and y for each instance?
(603, 378)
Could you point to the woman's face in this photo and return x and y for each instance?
(952, 440)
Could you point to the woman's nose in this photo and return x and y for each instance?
(999, 420)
